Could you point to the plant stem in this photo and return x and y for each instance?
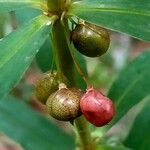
(84, 136)
(65, 64)
(56, 5)
(63, 58)
(77, 65)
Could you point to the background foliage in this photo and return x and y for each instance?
(30, 42)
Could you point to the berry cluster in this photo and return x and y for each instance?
(66, 103)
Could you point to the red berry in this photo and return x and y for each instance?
(97, 109)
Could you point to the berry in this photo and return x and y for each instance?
(90, 40)
(97, 109)
(47, 84)
(64, 104)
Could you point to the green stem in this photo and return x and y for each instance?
(84, 136)
(65, 64)
(63, 58)
(56, 5)
(77, 65)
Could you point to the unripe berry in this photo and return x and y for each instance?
(47, 84)
(97, 109)
(90, 40)
(64, 104)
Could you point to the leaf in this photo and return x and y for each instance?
(10, 5)
(124, 16)
(45, 58)
(139, 136)
(26, 14)
(81, 60)
(32, 130)
(131, 86)
(17, 51)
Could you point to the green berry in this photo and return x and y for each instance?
(47, 84)
(90, 40)
(64, 104)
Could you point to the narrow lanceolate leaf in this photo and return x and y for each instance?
(139, 136)
(127, 16)
(26, 14)
(32, 130)
(10, 5)
(131, 86)
(44, 57)
(18, 49)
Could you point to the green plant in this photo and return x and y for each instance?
(54, 20)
